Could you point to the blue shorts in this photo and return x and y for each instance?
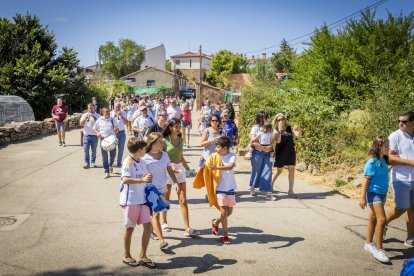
(185, 124)
(373, 198)
(403, 194)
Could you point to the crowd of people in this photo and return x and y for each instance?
(159, 130)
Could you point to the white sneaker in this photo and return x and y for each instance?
(252, 192)
(370, 247)
(270, 196)
(106, 175)
(93, 165)
(409, 242)
(86, 165)
(380, 256)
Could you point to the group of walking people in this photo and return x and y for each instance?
(272, 145)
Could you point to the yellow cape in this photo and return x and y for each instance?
(209, 178)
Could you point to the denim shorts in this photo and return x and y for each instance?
(185, 124)
(403, 194)
(373, 198)
(60, 126)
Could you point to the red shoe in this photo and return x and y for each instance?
(214, 229)
(225, 240)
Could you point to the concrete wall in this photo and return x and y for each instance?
(13, 132)
(160, 78)
(155, 57)
(195, 63)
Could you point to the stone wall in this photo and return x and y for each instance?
(17, 131)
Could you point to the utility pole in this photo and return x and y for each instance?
(199, 93)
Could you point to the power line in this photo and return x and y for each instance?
(375, 5)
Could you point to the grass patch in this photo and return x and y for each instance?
(339, 182)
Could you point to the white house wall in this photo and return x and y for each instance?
(195, 63)
(155, 57)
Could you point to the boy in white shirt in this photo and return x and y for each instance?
(134, 175)
(225, 192)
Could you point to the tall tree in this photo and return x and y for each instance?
(224, 63)
(282, 60)
(123, 59)
(29, 67)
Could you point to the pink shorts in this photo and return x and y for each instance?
(226, 200)
(136, 214)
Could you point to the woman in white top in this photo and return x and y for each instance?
(158, 164)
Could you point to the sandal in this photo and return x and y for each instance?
(192, 233)
(165, 227)
(154, 236)
(163, 245)
(147, 263)
(214, 228)
(131, 262)
(225, 240)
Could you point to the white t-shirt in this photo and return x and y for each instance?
(403, 144)
(255, 130)
(132, 193)
(227, 180)
(131, 110)
(173, 112)
(121, 125)
(88, 127)
(158, 168)
(265, 138)
(142, 123)
(105, 126)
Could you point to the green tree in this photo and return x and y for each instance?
(123, 59)
(282, 60)
(264, 71)
(29, 67)
(223, 64)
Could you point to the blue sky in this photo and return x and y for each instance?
(240, 26)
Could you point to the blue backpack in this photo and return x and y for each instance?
(408, 268)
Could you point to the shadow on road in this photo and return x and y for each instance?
(203, 264)
(102, 270)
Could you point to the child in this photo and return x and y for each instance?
(134, 175)
(265, 138)
(374, 193)
(186, 123)
(158, 163)
(225, 191)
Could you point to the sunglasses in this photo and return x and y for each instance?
(403, 121)
(214, 121)
(279, 120)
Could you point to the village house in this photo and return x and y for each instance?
(188, 64)
(154, 80)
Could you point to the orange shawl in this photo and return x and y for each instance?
(209, 178)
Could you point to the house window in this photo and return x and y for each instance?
(150, 82)
(190, 62)
(177, 62)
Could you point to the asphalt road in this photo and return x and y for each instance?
(71, 224)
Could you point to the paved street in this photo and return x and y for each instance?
(74, 224)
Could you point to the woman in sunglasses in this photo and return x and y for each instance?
(285, 149)
(210, 137)
(174, 147)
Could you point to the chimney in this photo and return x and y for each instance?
(264, 56)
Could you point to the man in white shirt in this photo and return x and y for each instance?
(174, 111)
(104, 127)
(140, 124)
(121, 118)
(90, 140)
(401, 157)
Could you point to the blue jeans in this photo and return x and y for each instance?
(121, 143)
(90, 141)
(261, 171)
(112, 155)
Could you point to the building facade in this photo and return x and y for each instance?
(155, 57)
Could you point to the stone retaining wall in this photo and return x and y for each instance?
(17, 131)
